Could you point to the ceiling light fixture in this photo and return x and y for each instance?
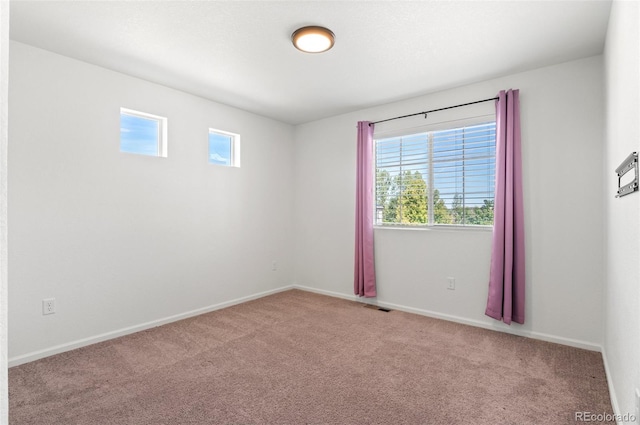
(313, 39)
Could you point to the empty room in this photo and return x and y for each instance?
(319, 212)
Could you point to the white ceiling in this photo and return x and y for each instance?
(239, 52)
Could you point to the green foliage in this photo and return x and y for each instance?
(413, 200)
(384, 186)
(482, 215)
(390, 211)
(441, 214)
(403, 199)
(457, 210)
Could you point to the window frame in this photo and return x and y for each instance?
(162, 131)
(417, 130)
(234, 147)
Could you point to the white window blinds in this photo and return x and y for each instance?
(438, 177)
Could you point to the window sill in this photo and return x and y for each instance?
(437, 228)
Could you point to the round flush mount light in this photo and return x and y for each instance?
(313, 39)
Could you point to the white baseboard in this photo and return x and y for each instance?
(35, 355)
(471, 322)
(612, 390)
(333, 294)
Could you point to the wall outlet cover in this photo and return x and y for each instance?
(48, 306)
(451, 283)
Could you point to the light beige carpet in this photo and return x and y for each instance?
(302, 358)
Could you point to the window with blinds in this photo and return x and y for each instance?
(444, 177)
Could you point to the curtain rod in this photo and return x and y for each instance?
(435, 110)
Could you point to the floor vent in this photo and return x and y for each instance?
(375, 307)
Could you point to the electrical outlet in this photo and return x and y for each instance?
(451, 283)
(274, 265)
(48, 306)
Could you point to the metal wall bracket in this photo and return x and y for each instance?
(631, 163)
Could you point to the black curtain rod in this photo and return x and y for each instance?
(434, 110)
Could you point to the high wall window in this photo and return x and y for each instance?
(444, 177)
(224, 148)
(143, 133)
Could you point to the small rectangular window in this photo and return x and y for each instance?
(437, 177)
(142, 133)
(224, 148)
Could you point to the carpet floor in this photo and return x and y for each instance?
(302, 358)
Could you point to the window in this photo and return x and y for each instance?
(438, 177)
(224, 148)
(143, 133)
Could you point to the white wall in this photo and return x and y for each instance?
(562, 128)
(4, 109)
(622, 229)
(123, 240)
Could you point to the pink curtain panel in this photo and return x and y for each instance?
(364, 283)
(506, 282)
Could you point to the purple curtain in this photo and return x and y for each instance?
(506, 281)
(364, 282)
